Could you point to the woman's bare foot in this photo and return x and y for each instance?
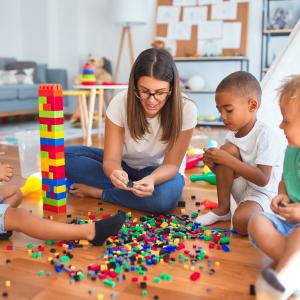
(6, 172)
(83, 190)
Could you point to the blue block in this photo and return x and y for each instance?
(52, 142)
(225, 248)
(69, 183)
(58, 196)
(53, 182)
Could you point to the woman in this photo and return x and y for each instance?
(148, 130)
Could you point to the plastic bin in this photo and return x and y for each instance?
(29, 152)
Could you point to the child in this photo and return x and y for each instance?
(279, 236)
(18, 219)
(6, 172)
(249, 164)
(148, 130)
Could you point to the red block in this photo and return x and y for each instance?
(46, 187)
(50, 90)
(53, 149)
(52, 121)
(195, 276)
(94, 267)
(55, 209)
(211, 245)
(56, 155)
(45, 174)
(58, 172)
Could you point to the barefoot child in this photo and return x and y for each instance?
(249, 164)
(279, 236)
(18, 219)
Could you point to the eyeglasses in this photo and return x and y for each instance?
(146, 94)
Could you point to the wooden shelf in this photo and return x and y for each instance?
(278, 31)
(198, 91)
(211, 58)
(210, 123)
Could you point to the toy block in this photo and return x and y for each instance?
(56, 162)
(56, 155)
(55, 196)
(42, 100)
(44, 154)
(51, 121)
(43, 127)
(46, 188)
(55, 209)
(60, 189)
(51, 176)
(41, 107)
(45, 174)
(57, 128)
(50, 90)
(54, 202)
(54, 182)
(47, 107)
(58, 172)
(52, 142)
(51, 114)
(52, 149)
(52, 135)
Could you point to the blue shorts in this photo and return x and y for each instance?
(3, 208)
(281, 225)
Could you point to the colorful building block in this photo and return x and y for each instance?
(51, 120)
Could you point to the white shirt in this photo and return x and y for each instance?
(261, 146)
(149, 151)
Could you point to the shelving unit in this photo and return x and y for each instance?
(269, 34)
(243, 65)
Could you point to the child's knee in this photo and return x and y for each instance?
(232, 149)
(255, 224)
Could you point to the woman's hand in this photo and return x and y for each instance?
(119, 179)
(279, 200)
(143, 187)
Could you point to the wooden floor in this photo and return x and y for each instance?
(238, 268)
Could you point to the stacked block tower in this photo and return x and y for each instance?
(51, 117)
(88, 75)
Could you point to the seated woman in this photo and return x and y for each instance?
(148, 130)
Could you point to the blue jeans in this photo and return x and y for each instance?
(85, 165)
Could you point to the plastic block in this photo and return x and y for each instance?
(53, 202)
(52, 142)
(56, 155)
(52, 121)
(55, 209)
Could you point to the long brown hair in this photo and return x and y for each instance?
(157, 63)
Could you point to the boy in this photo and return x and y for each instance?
(279, 236)
(18, 219)
(249, 164)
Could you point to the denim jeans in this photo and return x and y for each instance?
(85, 165)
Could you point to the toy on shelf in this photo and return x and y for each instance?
(88, 75)
(208, 177)
(51, 118)
(32, 184)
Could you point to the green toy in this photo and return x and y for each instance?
(208, 177)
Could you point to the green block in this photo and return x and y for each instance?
(29, 246)
(109, 283)
(41, 273)
(44, 154)
(208, 238)
(81, 276)
(225, 240)
(144, 293)
(42, 100)
(65, 259)
(51, 114)
(54, 202)
(43, 127)
(57, 128)
(157, 280)
(49, 242)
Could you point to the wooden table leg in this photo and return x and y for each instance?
(90, 116)
(100, 110)
(82, 112)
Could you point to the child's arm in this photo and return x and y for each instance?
(281, 200)
(259, 175)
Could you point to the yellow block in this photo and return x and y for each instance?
(50, 175)
(59, 189)
(103, 267)
(84, 242)
(57, 162)
(207, 232)
(164, 225)
(52, 135)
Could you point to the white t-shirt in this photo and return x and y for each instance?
(149, 151)
(261, 146)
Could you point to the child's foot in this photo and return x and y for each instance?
(211, 218)
(108, 227)
(6, 172)
(268, 287)
(5, 236)
(83, 190)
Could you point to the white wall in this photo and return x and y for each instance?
(63, 33)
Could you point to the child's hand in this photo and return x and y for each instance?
(119, 179)
(291, 212)
(143, 187)
(216, 155)
(6, 172)
(279, 200)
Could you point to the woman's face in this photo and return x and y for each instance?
(152, 94)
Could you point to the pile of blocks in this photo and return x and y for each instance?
(51, 119)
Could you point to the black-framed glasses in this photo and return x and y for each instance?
(146, 94)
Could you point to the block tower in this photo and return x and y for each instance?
(51, 117)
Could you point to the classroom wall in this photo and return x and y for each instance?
(63, 33)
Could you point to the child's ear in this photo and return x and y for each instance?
(253, 104)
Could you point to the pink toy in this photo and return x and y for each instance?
(191, 161)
